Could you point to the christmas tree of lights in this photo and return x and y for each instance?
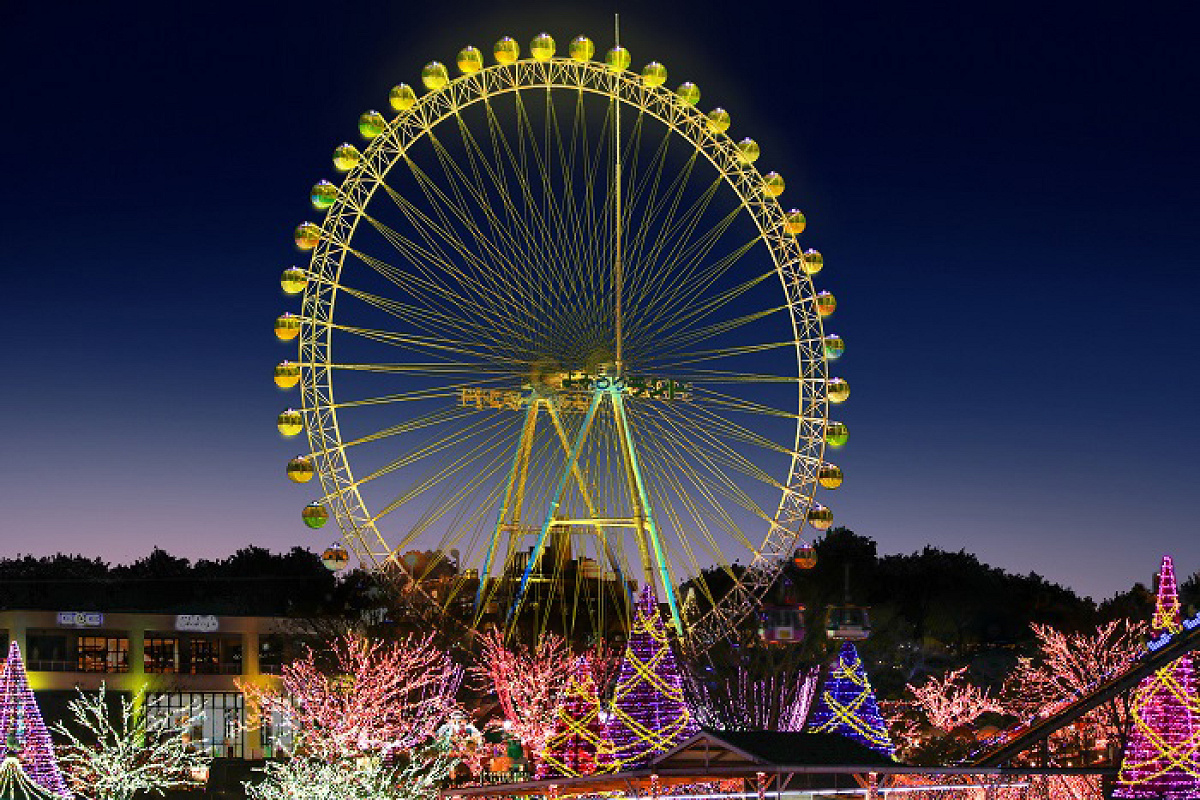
(1162, 757)
(15, 784)
(578, 736)
(847, 705)
(648, 714)
(21, 728)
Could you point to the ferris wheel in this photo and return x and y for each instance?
(558, 339)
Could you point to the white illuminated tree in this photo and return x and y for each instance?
(114, 756)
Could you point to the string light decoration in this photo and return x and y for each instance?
(21, 728)
(528, 683)
(847, 705)
(749, 701)
(381, 699)
(578, 735)
(136, 751)
(15, 784)
(648, 713)
(1162, 758)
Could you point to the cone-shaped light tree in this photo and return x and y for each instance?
(648, 713)
(22, 731)
(1162, 756)
(578, 737)
(847, 705)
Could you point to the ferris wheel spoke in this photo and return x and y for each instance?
(692, 337)
(721, 452)
(678, 475)
(484, 296)
(485, 448)
(428, 369)
(689, 301)
(732, 431)
(478, 428)
(432, 323)
(703, 466)
(424, 344)
(494, 258)
(442, 416)
(548, 216)
(699, 356)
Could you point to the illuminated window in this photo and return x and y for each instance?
(214, 720)
(102, 654)
(162, 654)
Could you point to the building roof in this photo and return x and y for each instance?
(709, 749)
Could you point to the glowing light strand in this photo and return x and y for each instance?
(648, 713)
(22, 731)
(847, 705)
(1162, 757)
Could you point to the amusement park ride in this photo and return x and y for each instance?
(557, 336)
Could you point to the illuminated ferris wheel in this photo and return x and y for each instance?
(558, 339)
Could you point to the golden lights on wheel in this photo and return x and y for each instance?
(287, 374)
(290, 422)
(301, 469)
(580, 52)
(293, 280)
(346, 157)
(371, 124)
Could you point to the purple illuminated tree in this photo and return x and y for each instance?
(1162, 757)
(22, 731)
(847, 705)
(648, 713)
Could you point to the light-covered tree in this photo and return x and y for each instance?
(114, 756)
(363, 778)
(378, 698)
(528, 682)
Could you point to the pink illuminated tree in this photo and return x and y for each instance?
(528, 683)
(952, 701)
(380, 697)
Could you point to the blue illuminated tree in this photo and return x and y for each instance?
(847, 705)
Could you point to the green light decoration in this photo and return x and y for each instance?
(847, 705)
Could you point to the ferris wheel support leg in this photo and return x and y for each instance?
(520, 457)
(601, 531)
(552, 510)
(644, 500)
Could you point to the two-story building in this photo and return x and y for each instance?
(190, 665)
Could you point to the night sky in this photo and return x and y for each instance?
(1005, 196)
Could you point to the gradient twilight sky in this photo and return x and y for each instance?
(1005, 194)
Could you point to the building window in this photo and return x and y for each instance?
(47, 652)
(102, 654)
(276, 733)
(270, 654)
(162, 654)
(206, 657)
(214, 720)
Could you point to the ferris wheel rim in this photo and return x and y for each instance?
(432, 109)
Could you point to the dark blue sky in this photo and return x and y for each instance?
(1005, 196)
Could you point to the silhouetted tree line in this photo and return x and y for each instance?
(252, 581)
(935, 609)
